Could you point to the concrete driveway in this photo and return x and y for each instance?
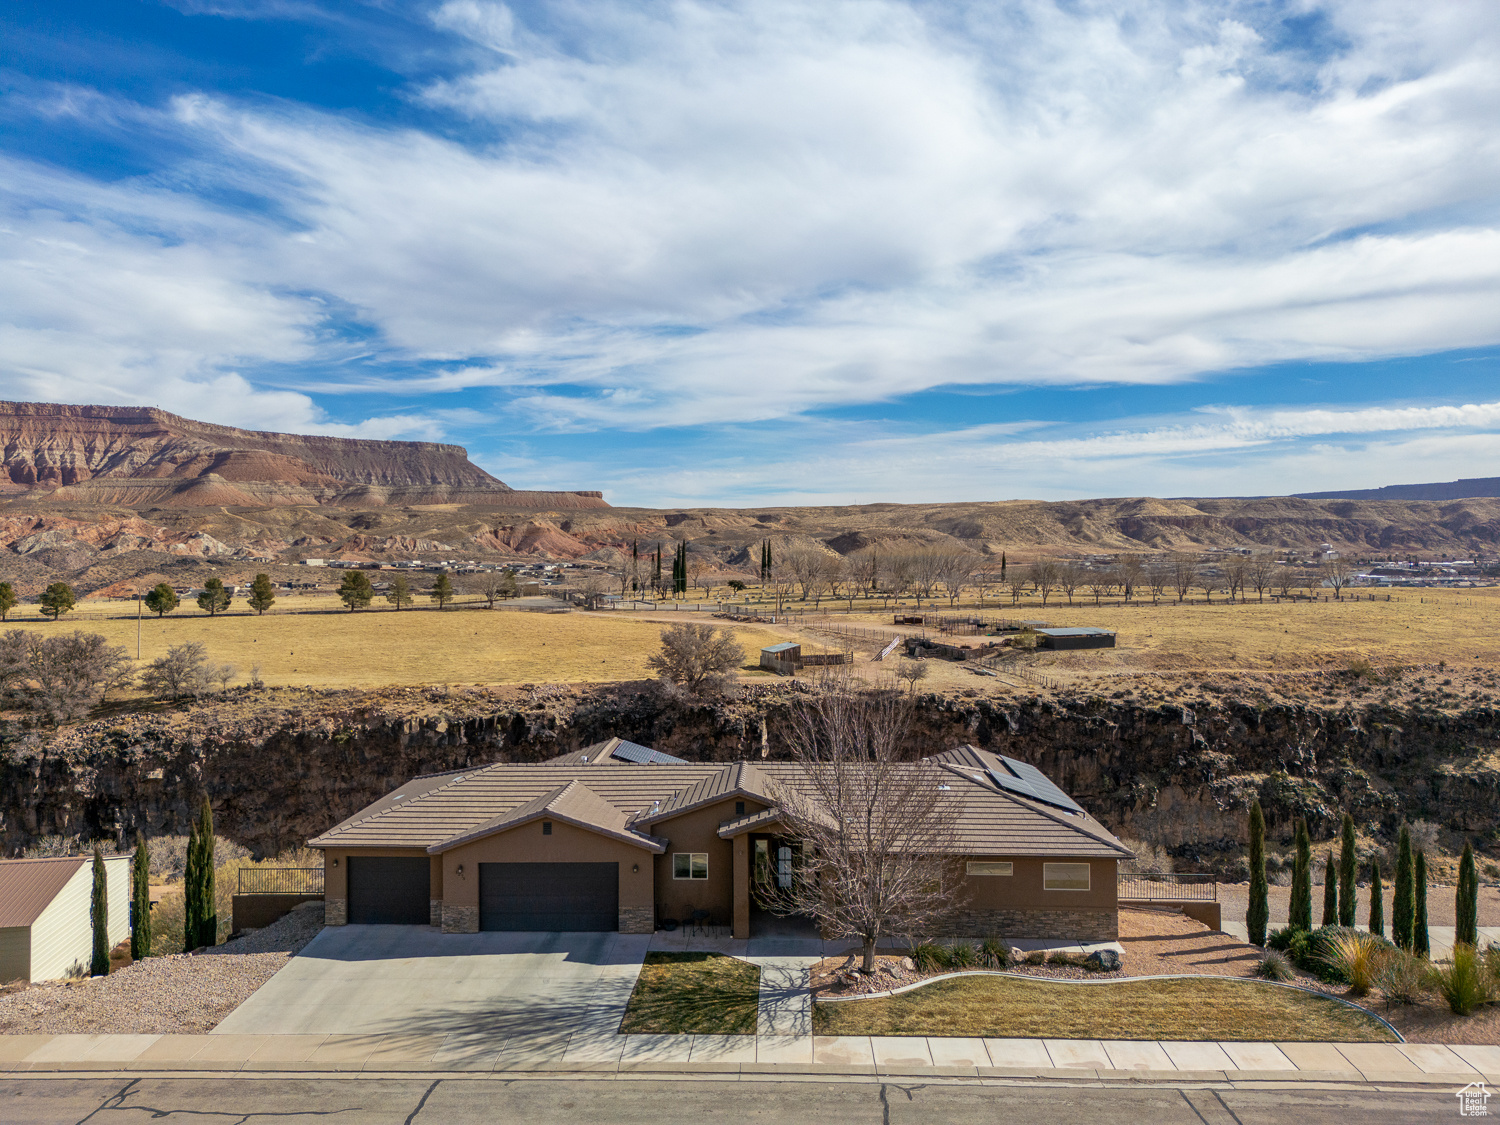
(472, 990)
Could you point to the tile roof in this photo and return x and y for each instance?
(572, 803)
(434, 812)
(28, 886)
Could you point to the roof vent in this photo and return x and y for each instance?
(399, 797)
(585, 759)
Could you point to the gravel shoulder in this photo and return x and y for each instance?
(183, 994)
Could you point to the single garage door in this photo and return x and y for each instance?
(390, 890)
(549, 896)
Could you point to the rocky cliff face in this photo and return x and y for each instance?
(281, 766)
(47, 445)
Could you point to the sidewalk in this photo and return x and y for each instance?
(766, 1055)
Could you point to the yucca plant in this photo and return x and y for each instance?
(993, 954)
(1273, 965)
(929, 957)
(1463, 982)
(961, 955)
(1359, 957)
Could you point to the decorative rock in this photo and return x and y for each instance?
(848, 964)
(1102, 961)
(1017, 956)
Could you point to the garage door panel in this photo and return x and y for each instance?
(572, 897)
(390, 890)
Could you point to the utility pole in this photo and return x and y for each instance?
(137, 624)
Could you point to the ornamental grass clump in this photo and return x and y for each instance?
(1464, 982)
(929, 957)
(1404, 979)
(994, 954)
(1273, 965)
(961, 955)
(1359, 957)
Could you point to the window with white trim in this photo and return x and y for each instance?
(991, 867)
(690, 865)
(1065, 876)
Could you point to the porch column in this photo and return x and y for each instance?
(742, 886)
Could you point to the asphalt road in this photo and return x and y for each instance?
(460, 1101)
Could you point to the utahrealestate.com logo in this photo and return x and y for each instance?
(1473, 1100)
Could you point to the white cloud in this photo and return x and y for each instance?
(750, 211)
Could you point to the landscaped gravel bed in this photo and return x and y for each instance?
(183, 994)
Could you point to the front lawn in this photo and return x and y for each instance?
(1199, 1009)
(693, 993)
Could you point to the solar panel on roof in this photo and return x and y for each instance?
(644, 755)
(1028, 781)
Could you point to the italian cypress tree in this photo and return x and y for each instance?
(140, 901)
(1466, 901)
(1002, 566)
(1330, 893)
(1258, 912)
(99, 916)
(208, 925)
(1420, 945)
(1403, 903)
(1377, 900)
(1348, 895)
(1300, 912)
(192, 891)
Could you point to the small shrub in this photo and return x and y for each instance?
(994, 954)
(962, 956)
(1404, 978)
(1281, 940)
(929, 957)
(1463, 982)
(1273, 965)
(1359, 958)
(1036, 957)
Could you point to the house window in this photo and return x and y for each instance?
(546, 828)
(739, 808)
(690, 865)
(991, 867)
(1065, 876)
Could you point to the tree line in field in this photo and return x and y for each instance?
(804, 570)
(356, 591)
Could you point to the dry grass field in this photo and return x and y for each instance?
(311, 640)
(380, 646)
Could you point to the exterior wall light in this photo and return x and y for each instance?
(460, 869)
(635, 868)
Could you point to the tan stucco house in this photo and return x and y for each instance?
(621, 837)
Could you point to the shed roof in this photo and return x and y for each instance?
(1076, 631)
(782, 647)
(28, 886)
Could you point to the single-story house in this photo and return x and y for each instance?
(46, 932)
(610, 844)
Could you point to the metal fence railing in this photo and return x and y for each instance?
(280, 880)
(1167, 888)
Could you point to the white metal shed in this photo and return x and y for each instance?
(45, 930)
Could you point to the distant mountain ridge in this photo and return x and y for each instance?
(1467, 489)
(50, 445)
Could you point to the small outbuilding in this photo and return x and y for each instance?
(45, 929)
(1080, 637)
(783, 659)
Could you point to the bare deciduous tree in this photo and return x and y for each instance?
(863, 567)
(911, 671)
(1132, 572)
(1158, 576)
(1261, 572)
(183, 671)
(877, 833)
(696, 657)
(1043, 574)
(1337, 571)
(1236, 574)
(1071, 574)
(1103, 580)
(60, 678)
(1184, 573)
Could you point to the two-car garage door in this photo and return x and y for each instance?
(549, 896)
(512, 896)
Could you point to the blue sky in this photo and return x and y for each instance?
(761, 252)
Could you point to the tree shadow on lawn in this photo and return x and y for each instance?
(694, 993)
